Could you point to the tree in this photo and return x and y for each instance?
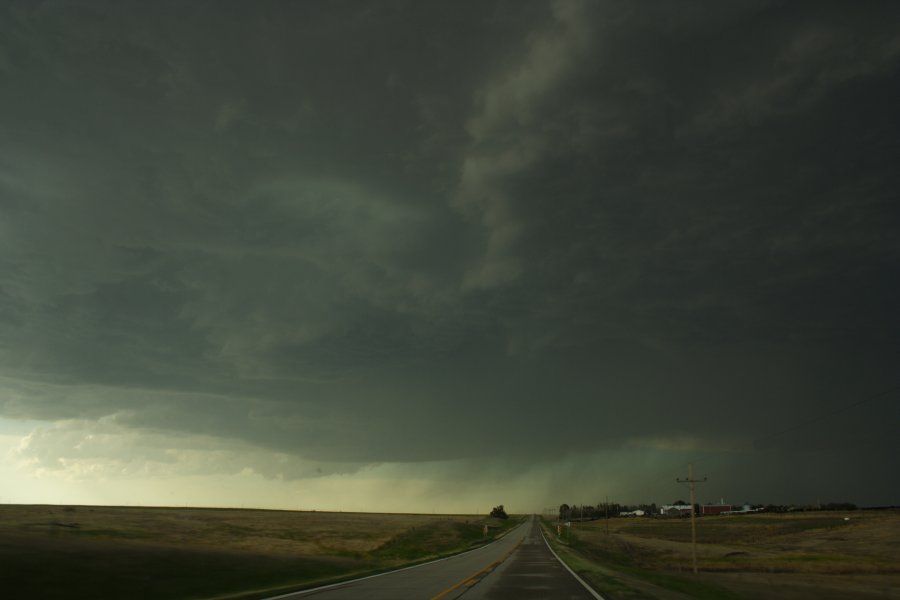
(564, 511)
(650, 509)
(499, 513)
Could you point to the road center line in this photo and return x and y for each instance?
(481, 573)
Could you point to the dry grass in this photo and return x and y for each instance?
(106, 552)
(818, 554)
(307, 533)
(869, 542)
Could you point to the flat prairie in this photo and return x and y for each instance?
(49, 551)
(800, 555)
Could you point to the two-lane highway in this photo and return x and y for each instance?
(518, 566)
(532, 572)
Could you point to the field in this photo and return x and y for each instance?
(124, 552)
(799, 556)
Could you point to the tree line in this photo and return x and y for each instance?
(589, 512)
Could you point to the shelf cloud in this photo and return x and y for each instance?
(554, 250)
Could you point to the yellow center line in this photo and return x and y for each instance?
(472, 579)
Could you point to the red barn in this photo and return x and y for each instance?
(715, 509)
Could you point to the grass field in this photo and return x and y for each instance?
(125, 552)
(812, 555)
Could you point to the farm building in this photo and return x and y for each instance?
(675, 510)
(715, 509)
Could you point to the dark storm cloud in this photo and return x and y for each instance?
(370, 232)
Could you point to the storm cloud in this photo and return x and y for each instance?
(568, 246)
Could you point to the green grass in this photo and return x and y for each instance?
(594, 564)
(626, 565)
(598, 578)
(690, 587)
(442, 538)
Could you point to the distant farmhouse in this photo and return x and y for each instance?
(684, 510)
(675, 510)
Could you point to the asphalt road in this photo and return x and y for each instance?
(519, 566)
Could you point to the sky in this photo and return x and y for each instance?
(439, 256)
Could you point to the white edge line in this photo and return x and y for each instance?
(430, 562)
(574, 574)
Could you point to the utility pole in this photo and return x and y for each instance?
(691, 481)
(607, 515)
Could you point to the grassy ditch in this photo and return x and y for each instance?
(117, 552)
(438, 538)
(616, 574)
